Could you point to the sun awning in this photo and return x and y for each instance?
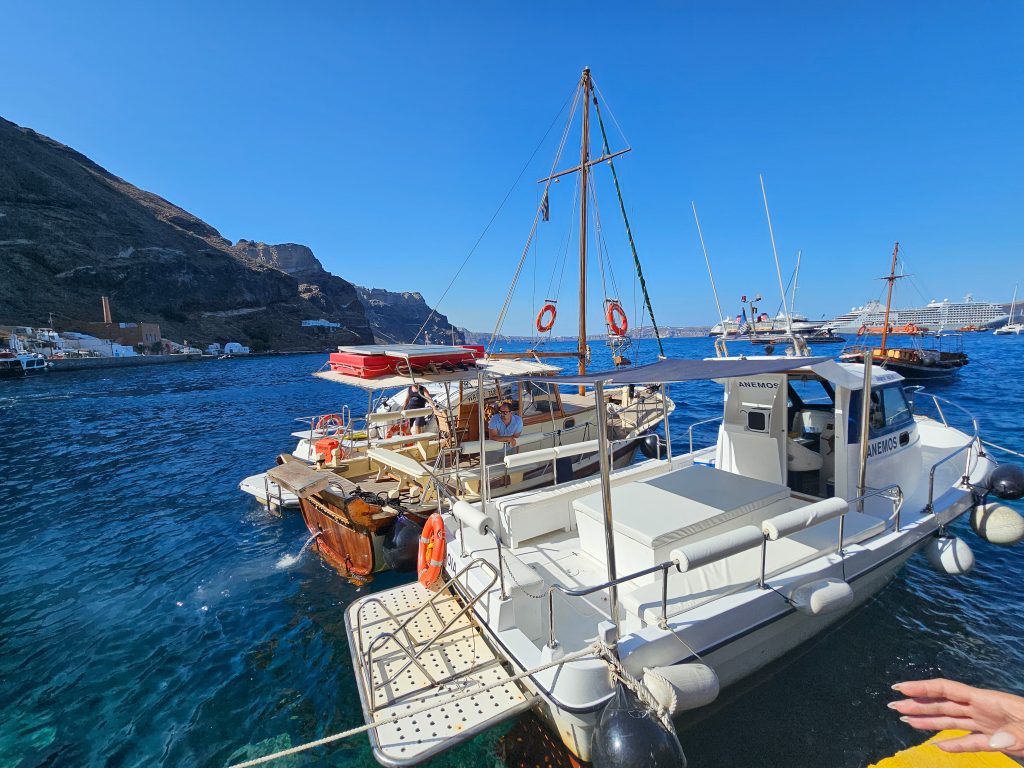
(499, 368)
(673, 370)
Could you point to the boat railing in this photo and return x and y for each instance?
(701, 423)
(973, 446)
(412, 649)
(714, 554)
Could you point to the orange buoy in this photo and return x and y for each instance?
(323, 423)
(617, 318)
(546, 325)
(430, 560)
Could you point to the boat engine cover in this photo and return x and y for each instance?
(821, 597)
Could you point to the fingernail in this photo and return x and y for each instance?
(1002, 740)
(905, 719)
(891, 705)
(897, 686)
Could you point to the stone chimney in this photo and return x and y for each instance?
(106, 310)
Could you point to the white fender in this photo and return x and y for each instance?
(682, 686)
(998, 524)
(471, 517)
(821, 597)
(951, 555)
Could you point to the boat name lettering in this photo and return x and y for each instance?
(760, 384)
(884, 445)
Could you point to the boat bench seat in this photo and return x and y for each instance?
(693, 588)
(652, 517)
(407, 470)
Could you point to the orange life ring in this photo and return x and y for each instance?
(430, 560)
(542, 326)
(615, 311)
(323, 423)
(401, 428)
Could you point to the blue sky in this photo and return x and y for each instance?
(385, 136)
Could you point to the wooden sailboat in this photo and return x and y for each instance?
(914, 362)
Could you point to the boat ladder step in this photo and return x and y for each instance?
(414, 651)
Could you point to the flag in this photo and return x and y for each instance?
(545, 211)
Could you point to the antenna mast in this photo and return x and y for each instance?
(587, 86)
(888, 299)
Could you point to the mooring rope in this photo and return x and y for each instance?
(597, 650)
(1001, 448)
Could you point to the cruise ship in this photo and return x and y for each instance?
(945, 315)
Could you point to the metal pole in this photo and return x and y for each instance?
(865, 424)
(606, 503)
(483, 427)
(668, 432)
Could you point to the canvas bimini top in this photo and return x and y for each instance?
(676, 370)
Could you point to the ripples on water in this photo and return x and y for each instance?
(144, 620)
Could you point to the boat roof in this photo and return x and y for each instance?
(502, 368)
(403, 351)
(675, 370)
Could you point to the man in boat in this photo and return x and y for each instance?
(505, 426)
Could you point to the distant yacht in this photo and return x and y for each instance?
(1014, 328)
(936, 316)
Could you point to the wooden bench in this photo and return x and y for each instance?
(405, 469)
(417, 441)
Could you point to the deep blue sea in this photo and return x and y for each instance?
(144, 619)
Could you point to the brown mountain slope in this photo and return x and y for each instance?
(71, 231)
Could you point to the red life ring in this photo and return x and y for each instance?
(862, 331)
(615, 312)
(430, 560)
(401, 428)
(323, 423)
(543, 326)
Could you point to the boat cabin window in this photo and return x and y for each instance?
(889, 410)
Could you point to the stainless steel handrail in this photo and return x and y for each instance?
(699, 423)
(974, 439)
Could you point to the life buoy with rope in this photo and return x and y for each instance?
(545, 326)
(323, 423)
(614, 314)
(862, 331)
(430, 559)
(401, 428)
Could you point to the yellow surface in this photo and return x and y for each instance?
(928, 756)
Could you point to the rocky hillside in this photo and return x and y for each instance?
(399, 317)
(70, 232)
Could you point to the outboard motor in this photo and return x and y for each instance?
(629, 735)
(1007, 482)
(402, 544)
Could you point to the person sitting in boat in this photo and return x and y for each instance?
(505, 426)
(418, 397)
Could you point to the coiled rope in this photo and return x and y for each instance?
(597, 650)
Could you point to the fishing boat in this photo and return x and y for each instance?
(679, 576)
(1012, 327)
(413, 461)
(912, 362)
(16, 362)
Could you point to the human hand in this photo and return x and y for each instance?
(512, 442)
(995, 719)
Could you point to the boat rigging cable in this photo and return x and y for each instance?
(629, 231)
(536, 219)
(433, 310)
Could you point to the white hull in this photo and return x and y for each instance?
(260, 488)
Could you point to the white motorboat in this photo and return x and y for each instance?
(268, 493)
(682, 575)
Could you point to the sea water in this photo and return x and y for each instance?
(144, 619)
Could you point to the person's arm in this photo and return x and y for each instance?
(995, 719)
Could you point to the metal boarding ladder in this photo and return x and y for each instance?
(413, 647)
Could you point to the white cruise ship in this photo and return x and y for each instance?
(936, 316)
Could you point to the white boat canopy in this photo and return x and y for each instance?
(673, 371)
(498, 368)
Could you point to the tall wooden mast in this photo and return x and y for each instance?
(586, 85)
(888, 301)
